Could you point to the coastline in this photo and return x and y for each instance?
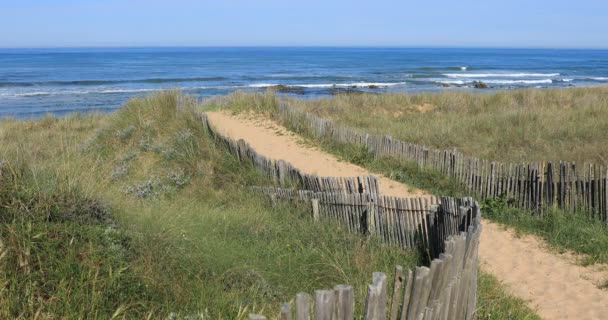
(291, 92)
(35, 82)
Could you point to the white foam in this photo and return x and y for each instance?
(600, 78)
(459, 82)
(330, 85)
(262, 85)
(499, 75)
(497, 81)
(464, 68)
(103, 91)
(350, 85)
(53, 93)
(518, 81)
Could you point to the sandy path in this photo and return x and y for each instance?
(273, 140)
(552, 283)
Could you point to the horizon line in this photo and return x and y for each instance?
(304, 46)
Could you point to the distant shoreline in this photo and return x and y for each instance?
(38, 81)
(285, 92)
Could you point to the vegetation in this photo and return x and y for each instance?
(515, 125)
(493, 300)
(138, 215)
(495, 303)
(397, 169)
(563, 231)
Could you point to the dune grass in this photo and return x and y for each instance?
(514, 125)
(138, 215)
(494, 302)
(563, 231)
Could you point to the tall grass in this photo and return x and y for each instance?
(493, 300)
(516, 125)
(138, 214)
(564, 231)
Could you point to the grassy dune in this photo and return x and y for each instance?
(493, 300)
(138, 215)
(518, 125)
(561, 119)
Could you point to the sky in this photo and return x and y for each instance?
(421, 23)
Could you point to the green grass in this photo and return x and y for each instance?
(138, 214)
(494, 303)
(563, 231)
(396, 169)
(493, 300)
(513, 125)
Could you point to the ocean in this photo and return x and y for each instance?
(34, 82)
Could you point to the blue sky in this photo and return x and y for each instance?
(456, 23)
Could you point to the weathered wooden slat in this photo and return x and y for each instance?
(375, 303)
(397, 290)
(325, 304)
(345, 302)
(302, 306)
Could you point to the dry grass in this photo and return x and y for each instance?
(519, 125)
(83, 235)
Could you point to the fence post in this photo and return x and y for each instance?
(397, 289)
(425, 158)
(371, 219)
(375, 303)
(345, 302)
(325, 301)
(433, 233)
(302, 306)
(464, 218)
(407, 294)
(281, 171)
(315, 210)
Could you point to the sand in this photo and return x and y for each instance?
(274, 141)
(552, 284)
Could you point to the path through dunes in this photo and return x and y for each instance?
(276, 142)
(554, 286)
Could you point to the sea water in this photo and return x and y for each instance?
(58, 81)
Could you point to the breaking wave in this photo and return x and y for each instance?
(500, 75)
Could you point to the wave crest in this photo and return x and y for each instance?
(500, 75)
(330, 85)
(106, 82)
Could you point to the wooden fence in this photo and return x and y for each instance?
(536, 186)
(422, 223)
(446, 229)
(284, 173)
